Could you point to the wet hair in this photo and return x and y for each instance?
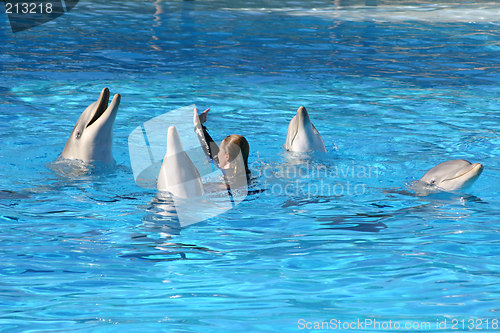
(233, 145)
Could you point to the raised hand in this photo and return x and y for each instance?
(201, 118)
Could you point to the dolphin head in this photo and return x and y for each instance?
(92, 136)
(302, 136)
(178, 174)
(174, 144)
(303, 120)
(452, 175)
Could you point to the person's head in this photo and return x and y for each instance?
(230, 148)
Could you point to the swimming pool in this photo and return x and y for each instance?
(394, 89)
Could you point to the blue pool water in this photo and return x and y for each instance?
(394, 89)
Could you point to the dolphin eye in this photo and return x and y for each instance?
(433, 182)
(78, 134)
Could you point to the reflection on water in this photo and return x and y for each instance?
(162, 214)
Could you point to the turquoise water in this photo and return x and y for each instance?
(394, 89)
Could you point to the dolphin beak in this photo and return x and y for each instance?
(303, 116)
(102, 104)
(105, 114)
(477, 168)
(473, 172)
(113, 106)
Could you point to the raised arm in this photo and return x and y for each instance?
(207, 143)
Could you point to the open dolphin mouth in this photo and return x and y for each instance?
(101, 107)
(476, 168)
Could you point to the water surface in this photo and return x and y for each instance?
(394, 89)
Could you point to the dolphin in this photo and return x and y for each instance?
(448, 176)
(302, 136)
(178, 174)
(92, 136)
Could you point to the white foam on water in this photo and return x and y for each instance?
(465, 13)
